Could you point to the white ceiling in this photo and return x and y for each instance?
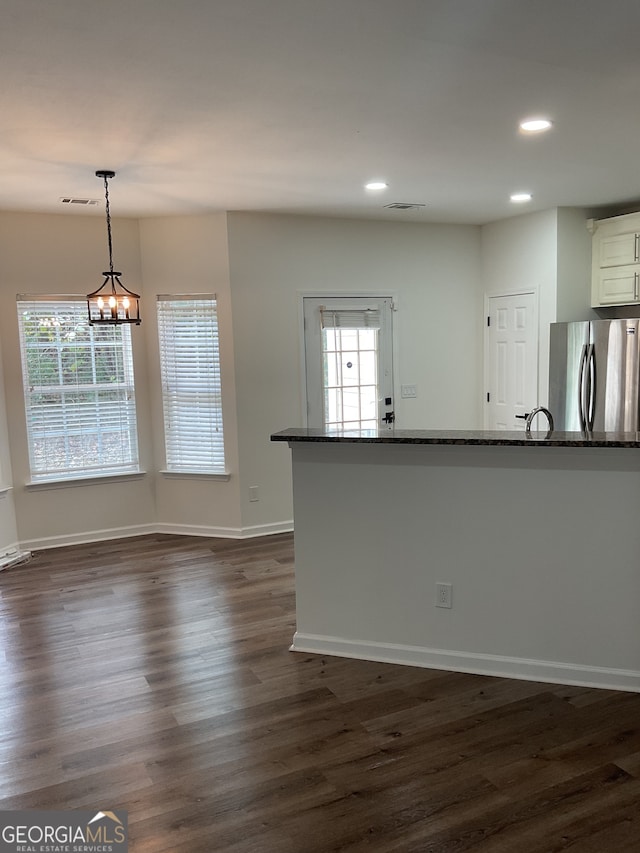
(292, 105)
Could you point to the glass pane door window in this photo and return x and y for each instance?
(349, 362)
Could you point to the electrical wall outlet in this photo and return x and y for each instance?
(444, 595)
(253, 494)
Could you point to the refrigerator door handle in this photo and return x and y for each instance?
(582, 389)
(590, 411)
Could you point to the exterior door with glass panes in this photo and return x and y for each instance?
(349, 362)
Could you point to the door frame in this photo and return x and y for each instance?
(343, 294)
(526, 291)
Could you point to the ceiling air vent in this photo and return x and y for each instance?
(404, 205)
(83, 202)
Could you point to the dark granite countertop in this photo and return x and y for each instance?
(466, 437)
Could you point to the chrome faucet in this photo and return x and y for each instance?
(537, 411)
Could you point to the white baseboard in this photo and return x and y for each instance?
(146, 529)
(553, 672)
(88, 536)
(226, 532)
(198, 530)
(267, 529)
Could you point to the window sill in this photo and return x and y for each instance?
(5, 490)
(195, 475)
(94, 480)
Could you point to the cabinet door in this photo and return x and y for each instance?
(618, 286)
(619, 250)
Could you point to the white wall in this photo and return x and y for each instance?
(64, 254)
(434, 271)
(189, 254)
(550, 253)
(574, 266)
(520, 254)
(259, 265)
(8, 525)
(539, 590)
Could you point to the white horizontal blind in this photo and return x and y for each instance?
(78, 389)
(350, 318)
(191, 387)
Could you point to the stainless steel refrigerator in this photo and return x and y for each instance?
(594, 373)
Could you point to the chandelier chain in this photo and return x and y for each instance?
(106, 196)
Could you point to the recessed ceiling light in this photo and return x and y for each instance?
(535, 125)
(376, 185)
(520, 198)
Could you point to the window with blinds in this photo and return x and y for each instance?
(78, 389)
(191, 387)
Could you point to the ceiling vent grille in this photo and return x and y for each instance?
(404, 205)
(83, 202)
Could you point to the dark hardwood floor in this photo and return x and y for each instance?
(153, 674)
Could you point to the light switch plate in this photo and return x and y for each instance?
(408, 391)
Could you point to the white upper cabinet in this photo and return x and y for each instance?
(616, 286)
(619, 249)
(616, 261)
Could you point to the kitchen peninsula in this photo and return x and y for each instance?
(537, 535)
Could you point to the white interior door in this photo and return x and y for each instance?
(512, 360)
(349, 362)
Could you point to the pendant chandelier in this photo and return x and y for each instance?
(112, 302)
